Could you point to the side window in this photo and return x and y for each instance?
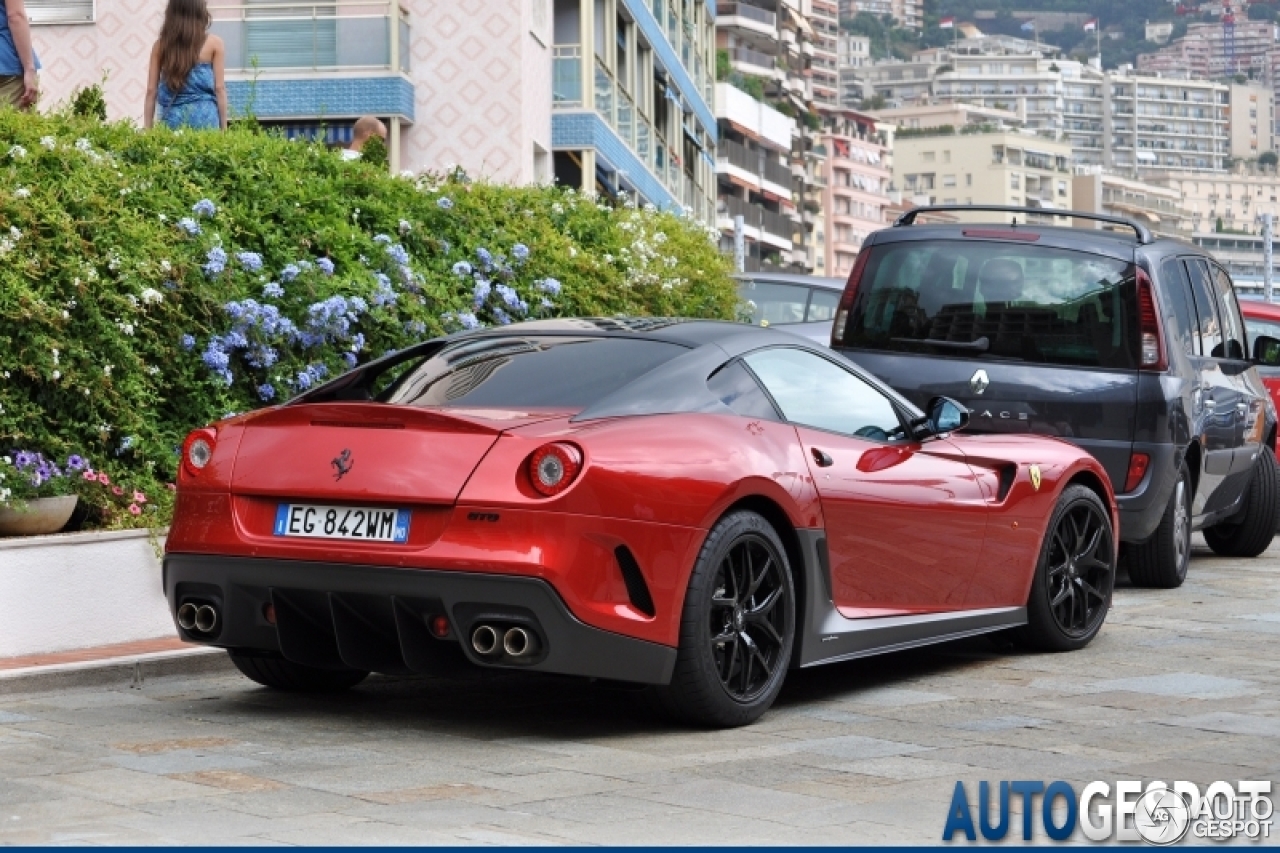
(1176, 290)
(1203, 292)
(822, 305)
(734, 385)
(774, 304)
(815, 392)
(1233, 342)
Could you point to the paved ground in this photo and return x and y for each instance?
(1180, 685)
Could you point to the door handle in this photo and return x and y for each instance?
(822, 458)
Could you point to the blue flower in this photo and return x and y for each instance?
(468, 320)
(444, 203)
(76, 463)
(217, 262)
(462, 268)
(215, 358)
(189, 225)
(349, 358)
(272, 290)
(251, 261)
(204, 207)
(481, 291)
(382, 238)
(385, 294)
(266, 391)
(520, 252)
(357, 305)
(508, 295)
(548, 285)
(126, 442)
(303, 380)
(325, 265)
(23, 459)
(486, 259)
(502, 317)
(398, 254)
(357, 342)
(289, 273)
(415, 327)
(188, 343)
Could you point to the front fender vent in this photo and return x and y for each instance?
(637, 589)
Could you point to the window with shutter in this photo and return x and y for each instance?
(279, 36)
(60, 11)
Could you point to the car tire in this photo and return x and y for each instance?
(1161, 562)
(296, 677)
(1250, 532)
(737, 628)
(1075, 575)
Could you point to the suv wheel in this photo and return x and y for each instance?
(1249, 532)
(1162, 560)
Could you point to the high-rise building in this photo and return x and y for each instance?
(1236, 197)
(824, 66)
(907, 13)
(1160, 208)
(856, 187)
(853, 55)
(1252, 120)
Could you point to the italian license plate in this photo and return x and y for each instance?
(368, 524)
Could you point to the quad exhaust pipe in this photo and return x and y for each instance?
(517, 642)
(197, 617)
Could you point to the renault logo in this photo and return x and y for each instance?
(979, 382)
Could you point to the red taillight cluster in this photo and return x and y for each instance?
(846, 299)
(1153, 354)
(553, 467)
(197, 450)
(1138, 463)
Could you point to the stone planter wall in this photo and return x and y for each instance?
(80, 590)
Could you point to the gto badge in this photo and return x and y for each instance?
(1034, 471)
(979, 382)
(342, 464)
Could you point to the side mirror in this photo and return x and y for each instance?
(946, 415)
(1266, 351)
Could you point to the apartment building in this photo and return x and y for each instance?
(907, 13)
(1185, 56)
(853, 55)
(754, 178)
(1235, 198)
(954, 115)
(1251, 120)
(898, 82)
(1001, 167)
(855, 191)
(1243, 50)
(1162, 209)
(824, 68)
(1158, 124)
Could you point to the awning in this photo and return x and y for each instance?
(1146, 156)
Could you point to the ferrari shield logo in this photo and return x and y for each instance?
(1034, 471)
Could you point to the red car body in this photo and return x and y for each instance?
(1263, 318)
(891, 544)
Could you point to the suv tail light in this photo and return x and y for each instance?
(1138, 463)
(850, 293)
(197, 450)
(1152, 342)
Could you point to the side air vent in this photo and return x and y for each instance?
(637, 589)
(1007, 473)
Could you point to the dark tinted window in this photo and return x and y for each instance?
(528, 372)
(1258, 328)
(1203, 292)
(1029, 302)
(1175, 292)
(774, 304)
(734, 385)
(815, 392)
(822, 306)
(1233, 343)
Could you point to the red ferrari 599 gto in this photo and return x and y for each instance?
(690, 505)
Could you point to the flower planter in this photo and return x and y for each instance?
(40, 516)
(80, 590)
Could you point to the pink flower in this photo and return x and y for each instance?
(117, 491)
(135, 509)
(89, 475)
(139, 498)
(104, 479)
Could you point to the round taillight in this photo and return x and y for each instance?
(199, 453)
(553, 467)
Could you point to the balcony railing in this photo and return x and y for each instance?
(746, 10)
(318, 36)
(751, 57)
(756, 216)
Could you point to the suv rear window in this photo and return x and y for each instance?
(997, 300)
(523, 372)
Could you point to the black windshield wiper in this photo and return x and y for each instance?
(982, 344)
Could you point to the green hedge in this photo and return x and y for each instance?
(153, 282)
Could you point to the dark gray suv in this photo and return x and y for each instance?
(1128, 346)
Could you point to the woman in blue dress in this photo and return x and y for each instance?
(186, 85)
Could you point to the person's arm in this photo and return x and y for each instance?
(219, 79)
(153, 85)
(20, 27)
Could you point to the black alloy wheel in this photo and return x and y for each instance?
(1081, 569)
(747, 622)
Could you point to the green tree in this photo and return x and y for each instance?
(1268, 158)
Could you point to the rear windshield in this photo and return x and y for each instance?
(774, 304)
(523, 372)
(977, 299)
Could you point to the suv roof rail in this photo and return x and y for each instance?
(1140, 231)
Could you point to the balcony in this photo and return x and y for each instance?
(758, 61)
(342, 35)
(756, 216)
(762, 18)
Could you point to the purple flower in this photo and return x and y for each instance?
(382, 238)
(486, 259)
(349, 358)
(508, 295)
(468, 320)
(325, 265)
(398, 254)
(481, 291)
(23, 459)
(189, 225)
(444, 203)
(272, 290)
(289, 273)
(204, 207)
(548, 285)
(76, 463)
(520, 252)
(501, 316)
(251, 261)
(266, 391)
(217, 262)
(188, 343)
(462, 269)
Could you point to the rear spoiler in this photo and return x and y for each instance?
(1140, 231)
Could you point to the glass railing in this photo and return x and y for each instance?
(566, 81)
(746, 10)
(604, 94)
(321, 36)
(627, 119)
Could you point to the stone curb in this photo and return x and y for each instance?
(115, 672)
